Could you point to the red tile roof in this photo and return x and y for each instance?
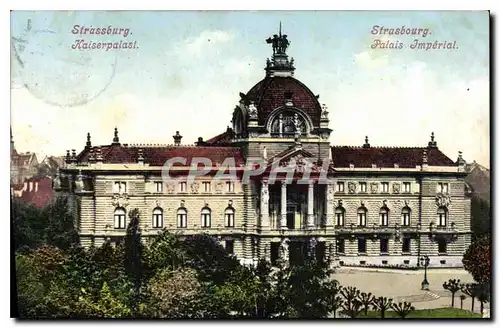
(157, 156)
(405, 157)
(223, 139)
(269, 94)
(41, 192)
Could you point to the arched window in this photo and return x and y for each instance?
(181, 218)
(339, 216)
(384, 216)
(158, 218)
(229, 217)
(206, 217)
(442, 216)
(362, 216)
(405, 216)
(119, 218)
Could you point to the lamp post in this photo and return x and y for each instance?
(424, 261)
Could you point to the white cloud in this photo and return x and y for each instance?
(206, 39)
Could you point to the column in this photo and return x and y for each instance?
(330, 215)
(310, 205)
(283, 205)
(264, 204)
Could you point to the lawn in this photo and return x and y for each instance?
(427, 313)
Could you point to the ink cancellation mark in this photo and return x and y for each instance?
(57, 75)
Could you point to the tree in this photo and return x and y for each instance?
(165, 252)
(207, 256)
(174, 294)
(469, 290)
(366, 300)
(106, 305)
(352, 305)
(60, 228)
(477, 259)
(462, 299)
(453, 285)
(133, 254)
(402, 309)
(382, 304)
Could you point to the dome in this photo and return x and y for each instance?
(272, 92)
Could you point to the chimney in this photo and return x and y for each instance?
(200, 142)
(460, 161)
(68, 157)
(367, 144)
(91, 155)
(73, 156)
(177, 138)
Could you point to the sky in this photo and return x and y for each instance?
(187, 70)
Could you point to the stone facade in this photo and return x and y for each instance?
(360, 205)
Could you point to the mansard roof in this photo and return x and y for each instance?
(404, 157)
(158, 155)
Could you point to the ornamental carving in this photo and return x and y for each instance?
(219, 186)
(443, 200)
(79, 183)
(264, 194)
(171, 187)
(351, 186)
(195, 186)
(252, 111)
(120, 200)
(329, 194)
(396, 187)
(374, 187)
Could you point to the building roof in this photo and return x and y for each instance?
(269, 94)
(404, 157)
(223, 139)
(37, 191)
(157, 156)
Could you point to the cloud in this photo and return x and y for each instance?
(206, 39)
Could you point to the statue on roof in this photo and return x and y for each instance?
(279, 43)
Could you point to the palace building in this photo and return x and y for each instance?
(376, 206)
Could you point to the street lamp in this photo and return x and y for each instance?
(424, 261)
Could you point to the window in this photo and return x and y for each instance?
(362, 187)
(362, 217)
(206, 217)
(341, 246)
(181, 218)
(229, 186)
(384, 246)
(183, 186)
(442, 246)
(406, 187)
(206, 186)
(384, 216)
(442, 188)
(120, 187)
(339, 215)
(385, 186)
(340, 187)
(406, 248)
(157, 218)
(230, 246)
(361, 245)
(119, 217)
(229, 217)
(442, 216)
(405, 216)
(159, 186)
